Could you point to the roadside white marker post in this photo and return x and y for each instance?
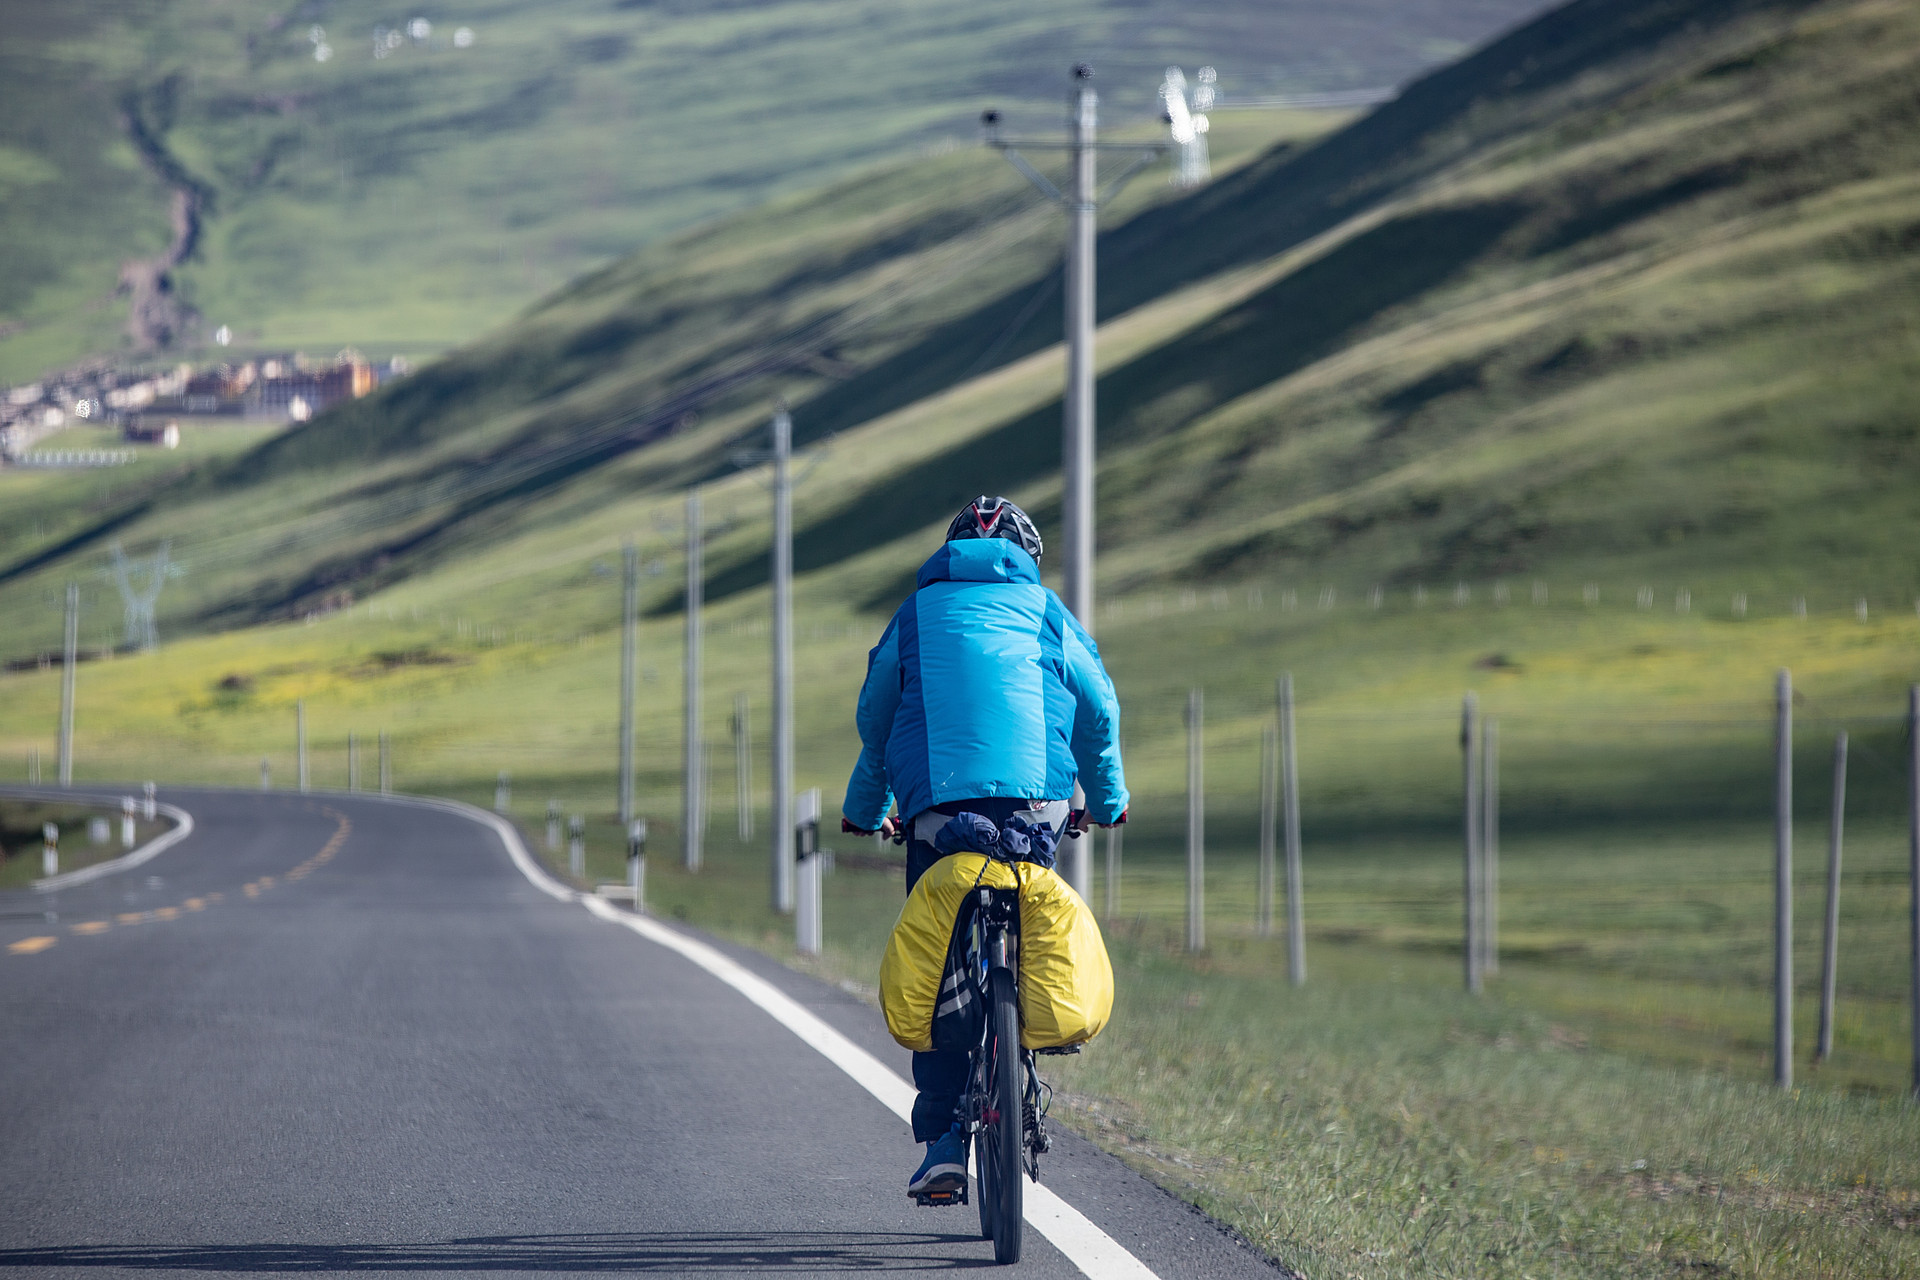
(300, 735)
(33, 766)
(1490, 847)
(126, 822)
(1830, 951)
(1196, 824)
(1290, 808)
(353, 761)
(1470, 768)
(693, 820)
(266, 775)
(807, 922)
(577, 845)
(553, 826)
(152, 808)
(49, 849)
(69, 660)
(637, 862)
(386, 764)
(502, 792)
(629, 641)
(1783, 881)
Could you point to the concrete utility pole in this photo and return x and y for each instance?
(1783, 881)
(70, 659)
(629, 626)
(1082, 202)
(693, 788)
(783, 886)
(1076, 445)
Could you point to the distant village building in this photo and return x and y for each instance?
(300, 393)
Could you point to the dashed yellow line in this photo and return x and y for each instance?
(90, 928)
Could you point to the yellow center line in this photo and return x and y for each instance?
(88, 928)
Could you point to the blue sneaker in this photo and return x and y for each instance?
(944, 1172)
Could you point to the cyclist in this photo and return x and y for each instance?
(984, 695)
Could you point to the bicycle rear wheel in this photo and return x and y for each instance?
(998, 1154)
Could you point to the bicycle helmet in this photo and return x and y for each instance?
(986, 517)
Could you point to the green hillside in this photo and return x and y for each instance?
(411, 195)
(1630, 292)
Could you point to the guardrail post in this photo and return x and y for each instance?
(807, 923)
(126, 822)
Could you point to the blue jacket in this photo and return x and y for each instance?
(984, 685)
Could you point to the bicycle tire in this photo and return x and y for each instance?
(1002, 1135)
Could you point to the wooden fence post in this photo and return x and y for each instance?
(1830, 952)
(1196, 824)
(1470, 803)
(1783, 880)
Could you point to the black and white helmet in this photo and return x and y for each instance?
(986, 517)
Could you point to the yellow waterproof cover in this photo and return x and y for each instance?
(1066, 980)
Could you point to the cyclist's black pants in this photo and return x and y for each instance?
(941, 1077)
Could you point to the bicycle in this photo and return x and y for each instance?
(1005, 1107)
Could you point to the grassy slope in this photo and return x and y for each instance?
(412, 202)
(1377, 1121)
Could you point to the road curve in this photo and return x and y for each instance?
(338, 1033)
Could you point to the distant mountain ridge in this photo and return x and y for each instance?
(337, 173)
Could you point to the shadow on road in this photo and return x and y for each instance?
(671, 1252)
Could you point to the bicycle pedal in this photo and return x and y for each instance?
(941, 1199)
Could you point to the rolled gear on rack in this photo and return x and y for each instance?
(1066, 979)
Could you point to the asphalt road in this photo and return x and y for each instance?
(345, 1034)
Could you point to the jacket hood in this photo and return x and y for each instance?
(979, 560)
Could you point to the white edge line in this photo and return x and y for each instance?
(1091, 1250)
(183, 827)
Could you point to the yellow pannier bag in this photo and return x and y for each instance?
(1066, 980)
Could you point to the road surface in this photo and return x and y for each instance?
(338, 1033)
